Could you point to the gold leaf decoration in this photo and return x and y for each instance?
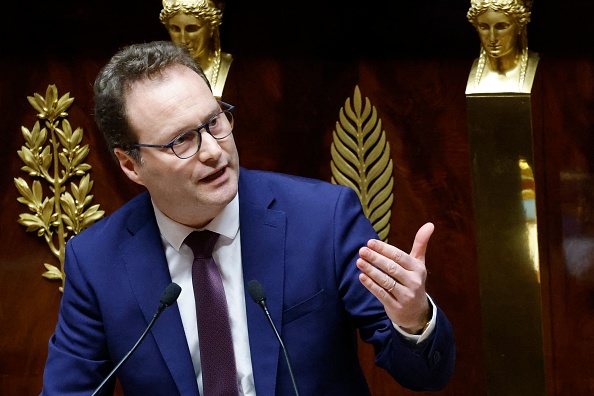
(361, 160)
(62, 214)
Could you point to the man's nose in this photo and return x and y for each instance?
(210, 148)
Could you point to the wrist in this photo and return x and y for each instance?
(420, 329)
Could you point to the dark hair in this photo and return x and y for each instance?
(131, 64)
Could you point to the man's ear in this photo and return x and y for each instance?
(128, 165)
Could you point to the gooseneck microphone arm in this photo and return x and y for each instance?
(259, 296)
(169, 296)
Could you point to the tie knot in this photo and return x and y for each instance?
(202, 243)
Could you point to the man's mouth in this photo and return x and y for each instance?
(213, 176)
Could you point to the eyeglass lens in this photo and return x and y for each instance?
(187, 144)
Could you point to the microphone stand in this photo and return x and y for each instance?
(257, 293)
(282, 344)
(169, 296)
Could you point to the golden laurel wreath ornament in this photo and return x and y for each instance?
(56, 161)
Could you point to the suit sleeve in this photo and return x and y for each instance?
(77, 354)
(427, 366)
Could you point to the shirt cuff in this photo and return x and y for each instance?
(417, 339)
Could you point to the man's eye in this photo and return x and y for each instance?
(213, 122)
(181, 139)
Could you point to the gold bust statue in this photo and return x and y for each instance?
(195, 24)
(505, 64)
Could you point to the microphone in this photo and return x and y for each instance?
(259, 296)
(168, 297)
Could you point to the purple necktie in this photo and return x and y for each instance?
(217, 360)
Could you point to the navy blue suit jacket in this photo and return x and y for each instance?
(300, 238)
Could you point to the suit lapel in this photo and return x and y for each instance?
(263, 257)
(149, 275)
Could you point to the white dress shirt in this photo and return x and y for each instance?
(227, 255)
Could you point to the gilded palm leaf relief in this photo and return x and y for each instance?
(60, 214)
(361, 160)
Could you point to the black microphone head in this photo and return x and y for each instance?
(256, 291)
(170, 294)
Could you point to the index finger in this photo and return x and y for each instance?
(391, 253)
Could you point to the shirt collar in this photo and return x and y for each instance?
(225, 224)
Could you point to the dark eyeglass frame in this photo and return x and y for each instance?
(198, 129)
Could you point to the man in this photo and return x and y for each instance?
(304, 240)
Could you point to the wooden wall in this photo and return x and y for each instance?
(295, 65)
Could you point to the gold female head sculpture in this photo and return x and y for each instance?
(502, 29)
(194, 24)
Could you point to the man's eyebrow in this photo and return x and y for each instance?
(208, 117)
(213, 113)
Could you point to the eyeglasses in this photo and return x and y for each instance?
(187, 144)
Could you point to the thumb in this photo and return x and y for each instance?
(421, 241)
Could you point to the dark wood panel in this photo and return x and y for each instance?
(567, 155)
(29, 308)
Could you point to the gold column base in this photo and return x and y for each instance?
(500, 135)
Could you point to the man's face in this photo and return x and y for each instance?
(498, 33)
(190, 191)
(190, 32)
